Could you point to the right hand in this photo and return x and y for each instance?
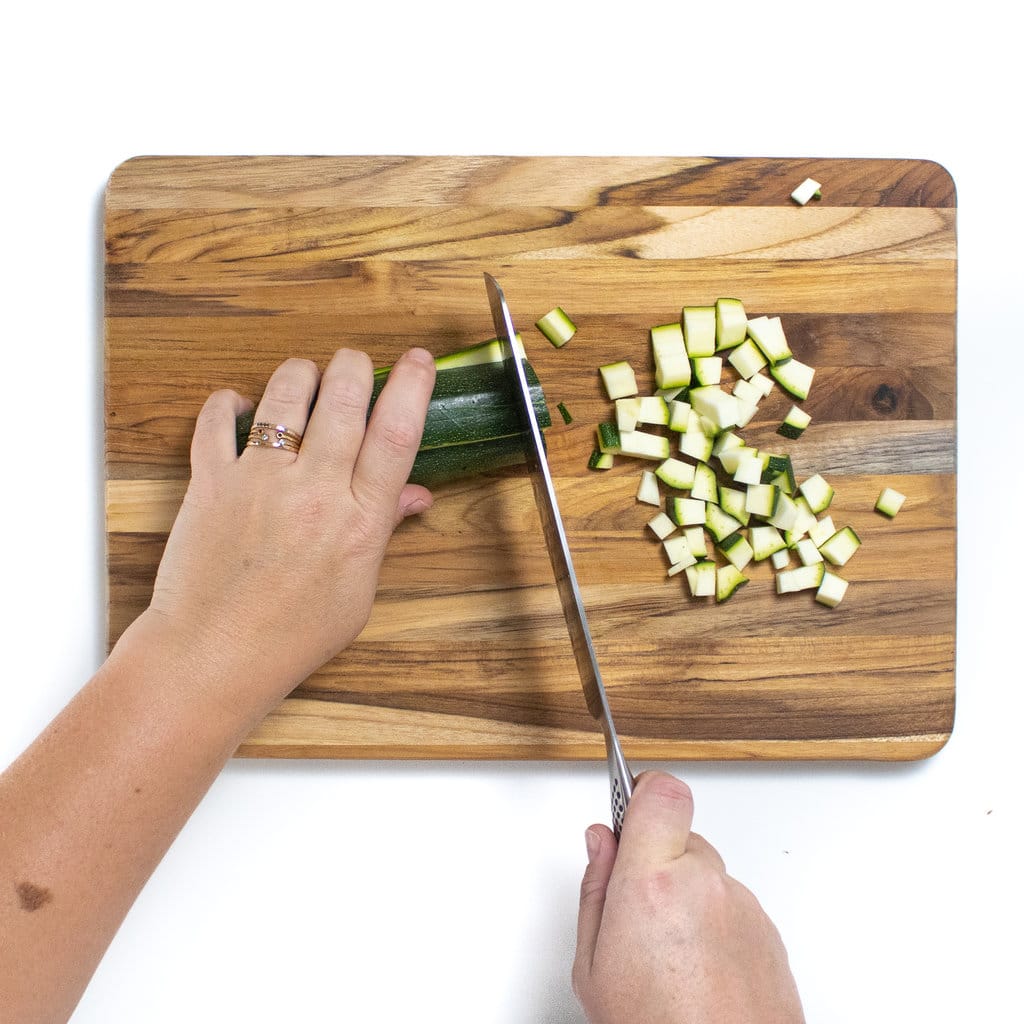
(665, 935)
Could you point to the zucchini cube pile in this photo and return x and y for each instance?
(723, 503)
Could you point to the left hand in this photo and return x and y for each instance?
(271, 567)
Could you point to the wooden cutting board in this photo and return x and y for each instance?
(219, 268)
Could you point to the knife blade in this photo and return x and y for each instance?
(558, 550)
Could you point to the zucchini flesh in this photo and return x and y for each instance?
(556, 326)
(472, 424)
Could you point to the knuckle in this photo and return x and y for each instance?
(344, 397)
(292, 383)
(667, 790)
(399, 436)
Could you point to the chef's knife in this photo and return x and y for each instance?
(561, 560)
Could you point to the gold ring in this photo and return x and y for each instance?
(274, 435)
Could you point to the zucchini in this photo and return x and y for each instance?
(841, 546)
(765, 542)
(769, 337)
(832, 589)
(661, 526)
(619, 379)
(890, 502)
(707, 369)
(609, 440)
(795, 423)
(705, 483)
(472, 424)
(678, 551)
(818, 492)
(671, 365)
(806, 577)
(794, 376)
(807, 189)
(699, 330)
(737, 549)
(746, 359)
(642, 445)
(730, 324)
(648, 491)
(676, 473)
(566, 415)
(729, 579)
(556, 327)
(600, 460)
(702, 578)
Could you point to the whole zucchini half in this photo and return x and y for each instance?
(472, 423)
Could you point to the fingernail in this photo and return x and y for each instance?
(593, 838)
(415, 507)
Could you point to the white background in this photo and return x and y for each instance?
(314, 891)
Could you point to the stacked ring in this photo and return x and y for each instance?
(274, 435)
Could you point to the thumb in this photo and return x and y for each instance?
(656, 829)
(601, 849)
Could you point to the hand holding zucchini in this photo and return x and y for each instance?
(472, 424)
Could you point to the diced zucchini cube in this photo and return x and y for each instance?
(678, 415)
(705, 484)
(841, 546)
(794, 376)
(728, 580)
(678, 550)
(642, 445)
(767, 333)
(806, 577)
(608, 438)
(734, 501)
(676, 473)
(762, 499)
(763, 384)
(730, 323)
(671, 365)
(661, 526)
(696, 444)
(780, 558)
(707, 369)
(648, 491)
(695, 538)
(692, 512)
(747, 359)
(619, 379)
(699, 330)
(765, 541)
(832, 590)
(748, 469)
(818, 492)
(795, 423)
(889, 502)
(600, 460)
(807, 552)
(627, 414)
(653, 410)
(719, 523)
(805, 191)
(702, 578)
(821, 531)
(714, 404)
(737, 549)
(556, 326)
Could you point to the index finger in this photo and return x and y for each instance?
(395, 429)
(656, 829)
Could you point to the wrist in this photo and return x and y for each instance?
(197, 672)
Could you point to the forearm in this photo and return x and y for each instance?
(87, 812)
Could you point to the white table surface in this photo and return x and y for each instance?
(372, 891)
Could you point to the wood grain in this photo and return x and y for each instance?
(219, 268)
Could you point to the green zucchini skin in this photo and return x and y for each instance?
(472, 423)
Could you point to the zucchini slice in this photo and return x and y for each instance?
(730, 323)
(818, 492)
(746, 359)
(566, 415)
(676, 473)
(794, 376)
(769, 337)
(728, 580)
(841, 546)
(671, 365)
(807, 189)
(702, 578)
(600, 460)
(648, 491)
(699, 330)
(832, 590)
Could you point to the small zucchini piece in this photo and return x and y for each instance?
(889, 502)
(609, 439)
(642, 445)
(805, 577)
(648, 491)
(671, 364)
(746, 359)
(832, 590)
(730, 323)
(676, 473)
(702, 578)
(566, 415)
(661, 526)
(699, 330)
(818, 492)
(707, 370)
(600, 460)
(619, 379)
(795, 423)
(841, 546)
(794, 376)
(728, 579)
(737, 549)
(768, 335)
(556, 326)
(807, 189)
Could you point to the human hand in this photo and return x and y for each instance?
(271, 566)
(665, 935)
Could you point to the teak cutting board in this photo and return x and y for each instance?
(219, 268)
